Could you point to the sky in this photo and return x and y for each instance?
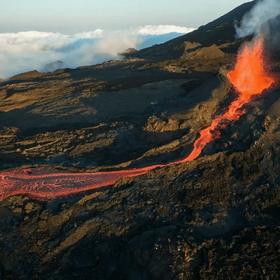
(45, 35)
(71, 16)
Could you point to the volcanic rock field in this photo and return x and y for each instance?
(215, 217)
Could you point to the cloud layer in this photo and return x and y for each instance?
(163, 29)
(46, 51)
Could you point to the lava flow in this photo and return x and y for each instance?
(249, 78)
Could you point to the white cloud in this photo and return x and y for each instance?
(25, 51)
(164, 29)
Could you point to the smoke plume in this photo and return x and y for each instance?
(257, 20)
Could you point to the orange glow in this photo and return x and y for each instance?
(249, 78)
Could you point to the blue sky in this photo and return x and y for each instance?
(70, 16)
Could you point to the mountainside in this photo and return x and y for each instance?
(220, 31)
(216, 217)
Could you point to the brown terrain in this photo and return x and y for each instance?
(217, 217)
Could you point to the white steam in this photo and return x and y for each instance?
(47, 51)
(254, 21)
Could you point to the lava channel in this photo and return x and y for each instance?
(249, 77)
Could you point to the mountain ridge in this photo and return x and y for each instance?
(198, 35)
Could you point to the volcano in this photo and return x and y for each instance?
(162, 165)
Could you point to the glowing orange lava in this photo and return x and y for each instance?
(249, 78)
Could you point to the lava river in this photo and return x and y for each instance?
(249, 77)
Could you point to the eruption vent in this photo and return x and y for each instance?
(249, 78)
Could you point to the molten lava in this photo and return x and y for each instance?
(249, 78)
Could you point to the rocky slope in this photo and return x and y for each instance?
(214, 218)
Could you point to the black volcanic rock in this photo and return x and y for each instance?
(214, 218)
